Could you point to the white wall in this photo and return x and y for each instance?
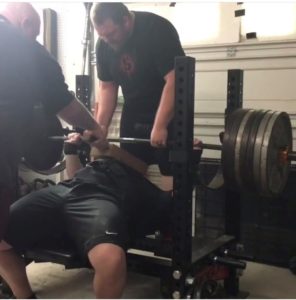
(70, 18)
(198, 22)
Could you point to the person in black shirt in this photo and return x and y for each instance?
(101, 209)
(136, 51)
(29, 77)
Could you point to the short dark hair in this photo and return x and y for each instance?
(109, 10)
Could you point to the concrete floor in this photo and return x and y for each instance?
(53, 281)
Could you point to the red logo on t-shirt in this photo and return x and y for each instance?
(127, 64)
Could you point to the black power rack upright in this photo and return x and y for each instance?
(194, 268)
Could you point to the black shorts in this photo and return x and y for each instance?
(87, 217)
(10, 153)
(10, 150)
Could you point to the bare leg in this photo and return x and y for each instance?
(13, 271)
(109, 263)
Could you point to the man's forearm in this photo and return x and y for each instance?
(106, 103)
(105, 112)
(165, 110)
(77, 115)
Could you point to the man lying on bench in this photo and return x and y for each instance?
(101, 208)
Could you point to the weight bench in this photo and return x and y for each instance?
(62, 251)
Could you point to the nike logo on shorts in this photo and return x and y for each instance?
(111, 232)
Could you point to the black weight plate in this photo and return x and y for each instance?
(41, 153)
(257, 149)
(247, 150)
(274, 173)
(241, 140)
(228, 146)
(237, 147)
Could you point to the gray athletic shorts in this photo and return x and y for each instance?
(87, 216)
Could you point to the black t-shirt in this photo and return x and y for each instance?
(105, 175)
(108, 179)
(28, 75)
(140, 66)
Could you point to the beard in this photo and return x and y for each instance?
(120, 44)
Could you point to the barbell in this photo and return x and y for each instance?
(256, 150)
(128, 140)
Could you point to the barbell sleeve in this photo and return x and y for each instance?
(211, 147)
(57, 138)
(292, 156)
